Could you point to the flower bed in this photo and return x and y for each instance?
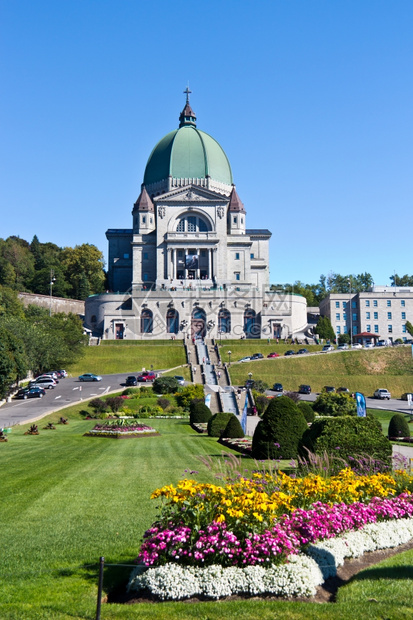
(253, 535)
(121, 430)
(200, 427)
(244, 446)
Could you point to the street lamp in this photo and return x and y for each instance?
(229, 358)
(52, 281)
(250, 376)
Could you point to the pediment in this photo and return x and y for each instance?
(191, 194)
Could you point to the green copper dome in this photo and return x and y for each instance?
(187, 153)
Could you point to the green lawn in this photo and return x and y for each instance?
(363, 371)
(112, 357)
(68, 499)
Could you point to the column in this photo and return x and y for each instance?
(198, 271)
(173, 272)
(209, 263)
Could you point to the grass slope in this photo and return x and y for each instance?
(363, 371)
(67, 500)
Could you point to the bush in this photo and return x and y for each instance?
(217, 424)
(333, 404)
(261, 402)
(114, 403)
(233, 429)
(279, 432)
(163, 403)
(199, 412)
(348, 438)
(98, 405)
(165, 385)
(260, 386)
(294, 396)
(190, 392)
(129, 391)
(307, 411)
(398, 426)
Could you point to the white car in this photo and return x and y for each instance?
(327, 348)
(369, 345)
(382, 394)
(245, 359)
(181, 380)
(342, 347)
(356, 345)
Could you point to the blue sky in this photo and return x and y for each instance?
(311, 101)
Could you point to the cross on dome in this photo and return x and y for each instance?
(187, 92)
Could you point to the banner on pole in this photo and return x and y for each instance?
(361, 405)
(244, 415)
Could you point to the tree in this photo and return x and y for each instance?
(401, 280)
(335, 404)
(409, 327)
(324, 328)
(84, 262)
(344, 339)
(17, 253)
(165, 385)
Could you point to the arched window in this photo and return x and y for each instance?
(93, 318)
(198, 323)
(224, 321)
(192, 224)
(172, 321)
(146, 321)
(252, 324)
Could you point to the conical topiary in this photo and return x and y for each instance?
(217, 424)
(233, 429)
(398, 426)
(279, 432)
(307, 411)
(199, 412)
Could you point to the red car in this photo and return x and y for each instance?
(273, 355)
(147, 376)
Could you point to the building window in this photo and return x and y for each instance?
(367, 303)
(367, 315)
(143, 219)
(146, 322)
(353, 304)
(145, 256)
(345, 329)
(376, 329)
(354, 316)
(93, 319)
(224, 321)
(389, 316)
(344, 316)
(403, 315)
(338, 330)
(192, 223)
(337, 316)
(151, 220)
(337, 304)
(236, 255)
(404, 329)
(390, 329)
(355, 329)
(146, 277)
(203, 253)
(376, 316)
(375, 303)
(126, 255)
(172, 321)
(344, 304)
(251, 255)
(389, 303)
(242, 220)
(234, 219)
(402, 303)
(368, 328)
(237, 275)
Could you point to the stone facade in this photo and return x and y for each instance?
(57, 304)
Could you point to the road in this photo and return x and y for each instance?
(69, 391)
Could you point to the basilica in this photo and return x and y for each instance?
(190, 267)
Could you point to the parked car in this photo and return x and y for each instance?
(302, 351)
(63, 373)
(405, 395)
(289, 352)
(369, 345)
(257, 356)
(90, 377)
(130, 381)
(147, 375)
(33, 392)
(343, 389)
(245, 359)
(382, 394)
(181, 380)
(277, 387)
(273, 355)
(356, 345)
(304, 389)
(326, 348)
(343, 347)
(46, 383)
(329, 389)
(48, 375)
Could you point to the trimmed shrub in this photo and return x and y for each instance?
(347, 438)
(333, 404)
(233, 429)
(307, 411)
(190, 392)
(163, 403)
(114, 403)
(165, 385)
(129, 391)
(199, 412)
(398, 426)
(279, 432)
(98, 405)
(218, 423)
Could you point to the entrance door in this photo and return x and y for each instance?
(119, 331)
(198, 323)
